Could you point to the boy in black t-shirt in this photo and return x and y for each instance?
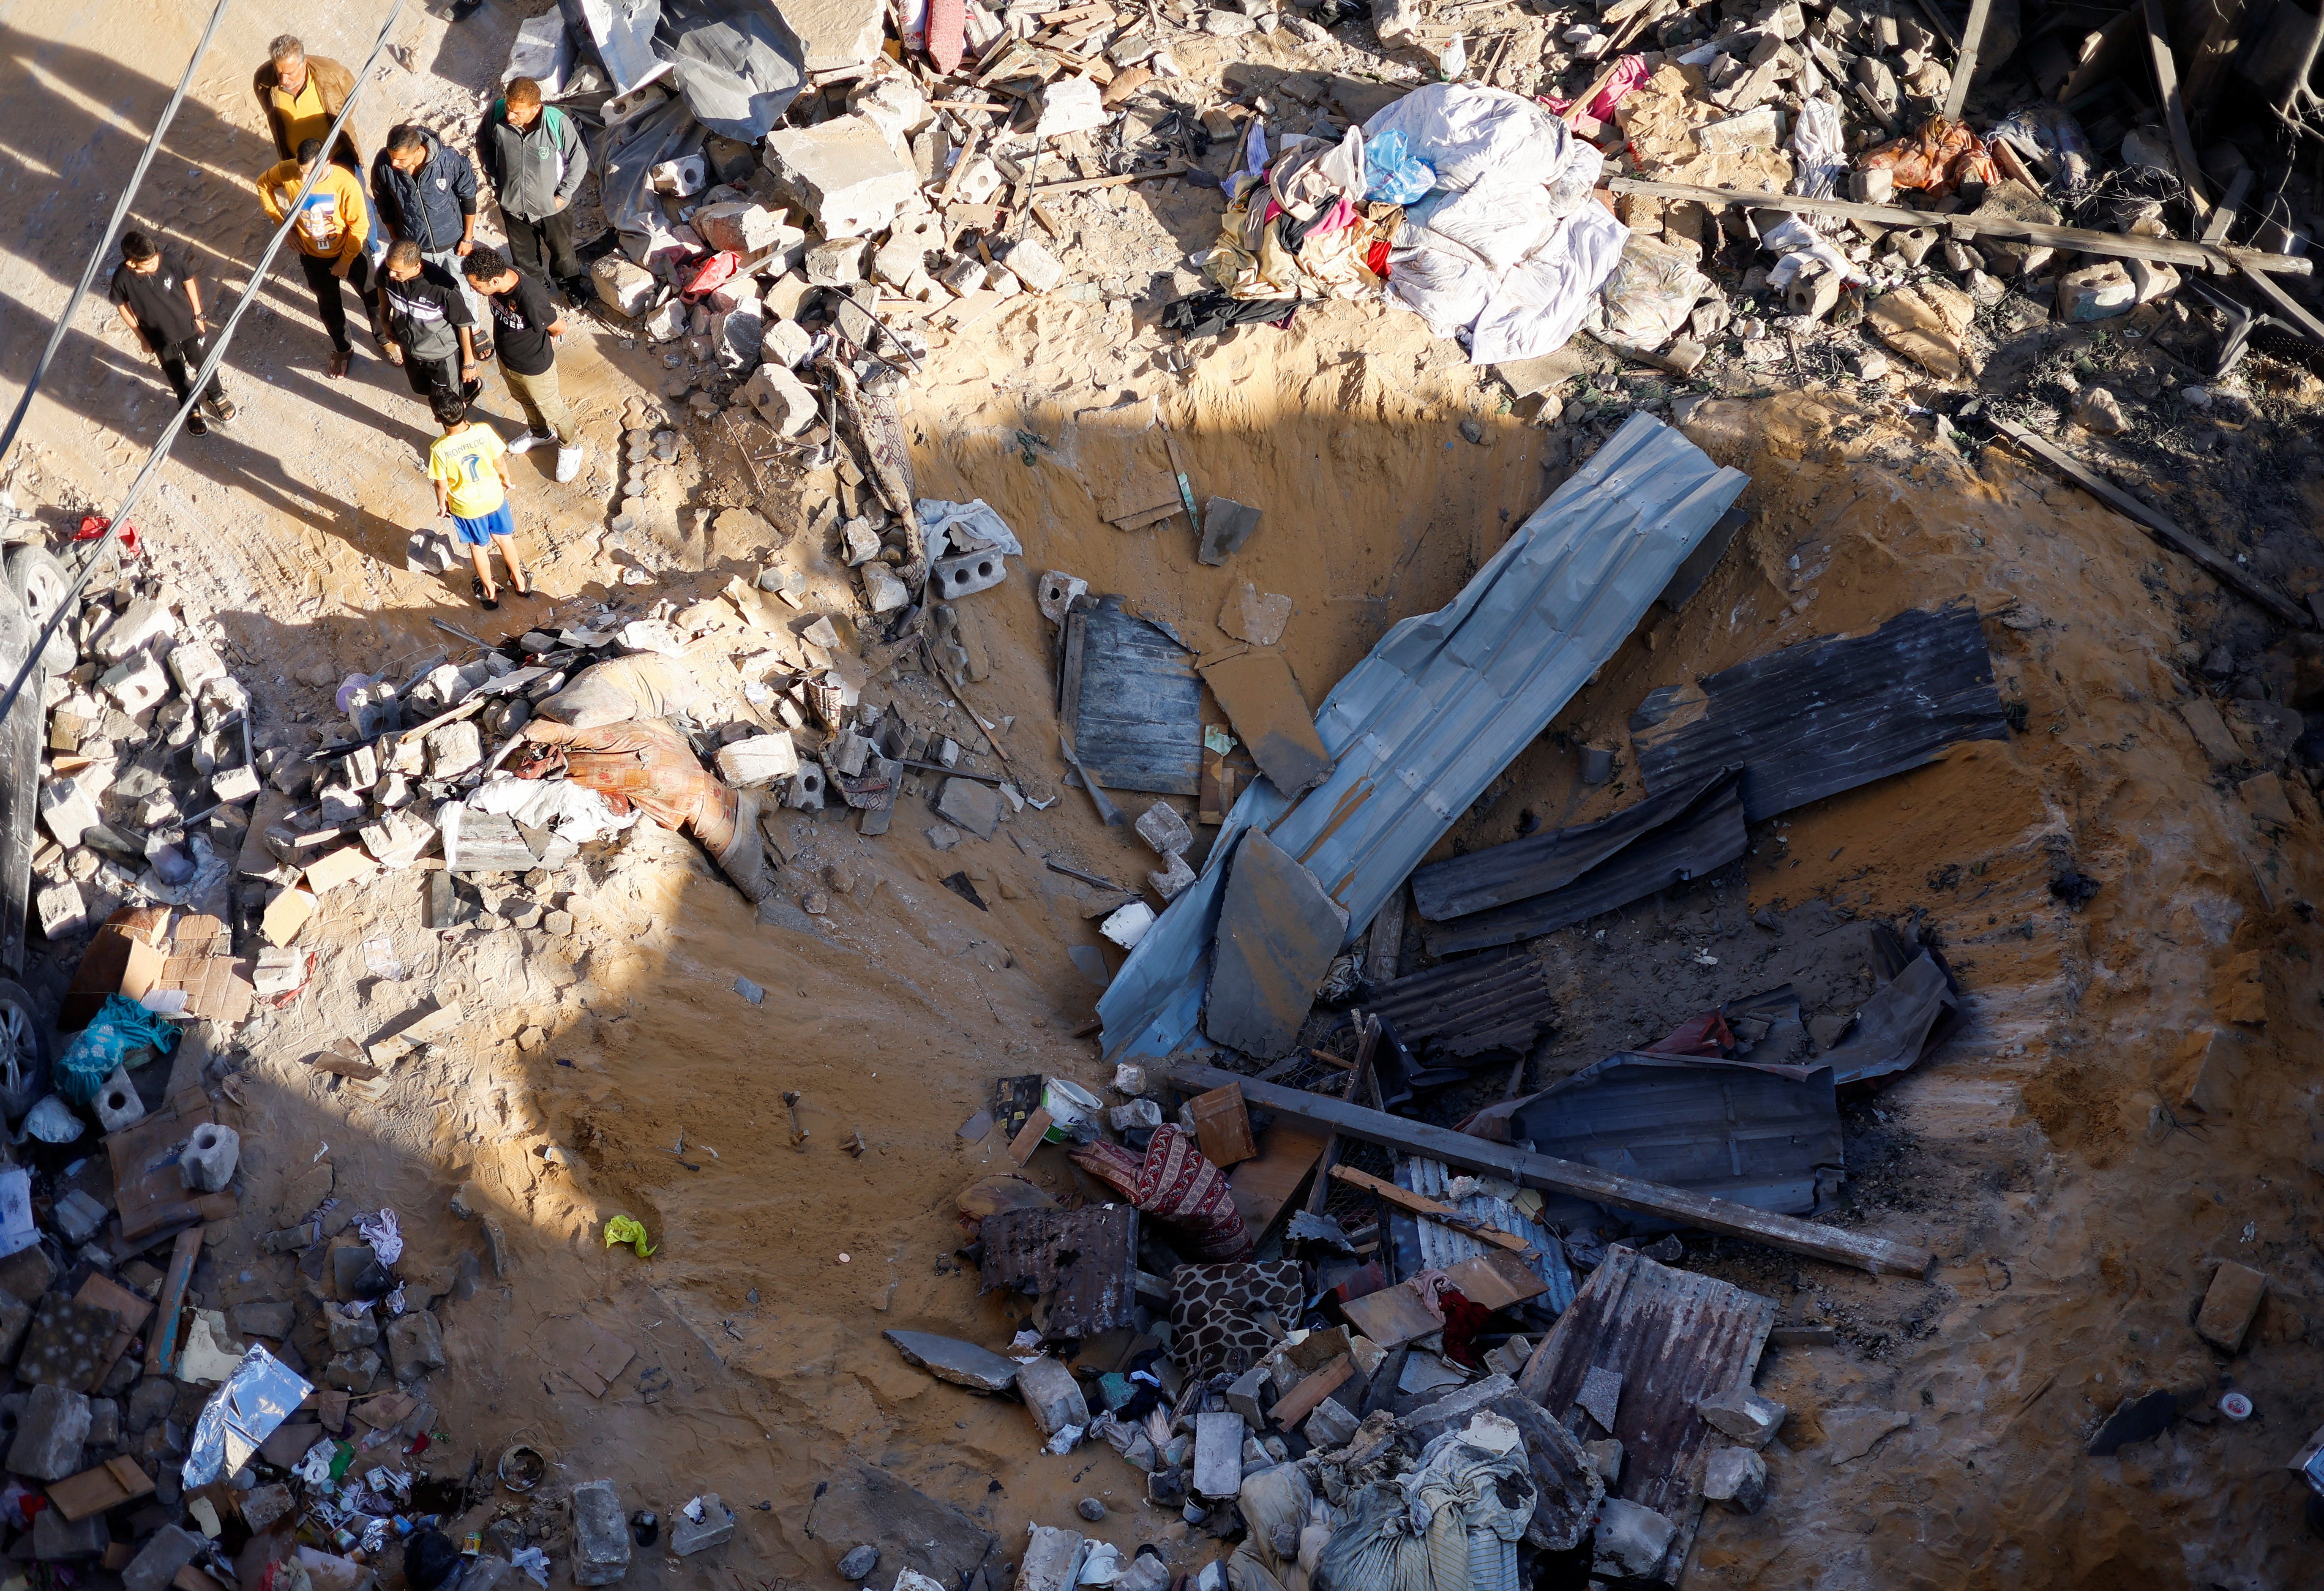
(161, 299)
(425, 325)
(527, 324)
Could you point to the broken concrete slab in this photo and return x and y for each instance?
(948, 1358)
(1743, 1415)
(1262, 700)
(843, 170)
(865, 1507)
(1277, 933)
(1218, 1455)
(1227, 527)
(836, 33)
(51, 1429)
(1250, 616)
(1735, 1477)
(715, 1528)
(1630, 1539)
(972, 804)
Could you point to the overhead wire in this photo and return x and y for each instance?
(201, 379)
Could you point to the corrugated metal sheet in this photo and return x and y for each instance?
(1471, 1005)
(1910, 1015)
(1436, 1246)
(1828, 715)
(1696, 836)
(1081, 1264)
(1674, 1337)
(1443, 703)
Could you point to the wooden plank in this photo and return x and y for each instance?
(1029, 1139)
(2170, 250)
(2283, 303)
(1137, 723)
(1391, 1317)
(1223, 1125)
(1265, 1186)
(93, 1491)
(1300, 1401)
(1145, 517)
(1422, 1205)
(1495, 1281)
(1880, 1255)
(2215, 563)
(2174, 110)
(1965, 63)
(162, 1349)
(2223, 214)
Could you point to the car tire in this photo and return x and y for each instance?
(24, 1052)
(42, 583)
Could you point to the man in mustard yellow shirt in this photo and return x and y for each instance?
(469, 466)
(334, 236)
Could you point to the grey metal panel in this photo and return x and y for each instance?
(1439, 1245)
(1908, 1017)
(1443, 703)
(1704, 836)
(1828, 715)
(1140, 720)
(1730, 1130)
(1498, 875)
(1469, 1006)
(20, 780)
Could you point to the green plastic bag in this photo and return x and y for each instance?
(620, 1229)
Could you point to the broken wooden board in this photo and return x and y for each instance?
(1223, 1125)
(1083, 1265)
(1491, 1281)
(1674, 1337)
(1880, 1255)
(147, 1188)
(1277, 934)
(93, 1491)
(1262, 698)
(1133, 699)
(1300, 1401)
(1420, 1205)
(1264, 1187)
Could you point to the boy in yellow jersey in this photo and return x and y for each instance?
(470, 468)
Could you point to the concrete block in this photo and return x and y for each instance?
(836, 262)
(68, 811)
(964, 576)
(972, 805)
(741, 228)
(760, 759)
(51, 1431)
(1161, 827)
(2095, 292)
(1911, 244)
(783, 342)
(960, 1363)
(170, 1548)
(1171, 881)
(2152, 278)
(780, 399)
(1330, 1425)
(1054, 1398)
(600, 1535)
(884, 588)
(453, 749)
(1069, 104)
(625, 289)
(193, 664)
(979, 179)
(2228, 1305)
(1737, 1478)
(61, 909)
(1744, 1415)
(137, 682)
(234, 786)
(415, 1345)
(836, 33)
(905, 255)
(1218, 1455)
(141, 624)
(1630, 1539)
(962, 277)
(78, 1216)
(1874, 185)
(1052, 1559)
(352, 1372)
(1755, 129)
(843, 170)
(55, 1541)
(716, 1528)
(207, 1161)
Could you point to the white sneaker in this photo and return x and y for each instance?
(568, 463)
(528, 442)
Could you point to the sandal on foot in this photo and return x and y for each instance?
(476, 588)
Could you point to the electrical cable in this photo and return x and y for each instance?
(201, 379)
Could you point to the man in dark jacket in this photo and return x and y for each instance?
(533, 154)
(425, 194)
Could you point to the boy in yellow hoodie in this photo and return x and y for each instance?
(333, 234)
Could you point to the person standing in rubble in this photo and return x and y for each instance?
(159, 296)
(470, 468)
(425, 325)
(334, 236)
(426, 193)
(534, 157)
(301, 97)
(530, 327)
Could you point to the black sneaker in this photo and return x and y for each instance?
(577, 293)
(197, 426)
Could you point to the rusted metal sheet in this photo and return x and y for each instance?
(1674, 1337)
(1471, 1005)
(1081, 1264)
(1432, 1246)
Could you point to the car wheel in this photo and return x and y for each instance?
(42, 584)
(24, 1052)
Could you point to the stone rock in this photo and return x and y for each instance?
(1330, 1425)
(1744, 1415)
(736, 335)
(1171, 881)
(1874, 185)
(716, 1528)
(759, 759)
(979, 179)
(353, 1372)
(971, 805)
(883, 588)
(1091, 1510)
(61, 909)
(453, 749)
(267, 1506)
(859, 1563)
(741, 228)
(600, 1535)
(625, 289)
(1039, 269)
(2228, 1305)
(780, 398)
(843, 170)
(51, 1431)
(1851, 1433)
(1630, 1539)
(836, 33)
(2099, 292)
(170, 1548)
(903, 259)
(68, 811)
(2100, 412)
(1069, 104)
(1054, 1398)
(151, 1402)
(1737, 1477)
(836, 262)
(415, 1345)
(960, 1363)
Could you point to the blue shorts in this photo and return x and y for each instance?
(478, 533)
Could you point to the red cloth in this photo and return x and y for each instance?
(1375, 259)
(1462, 1321)
(1707, 1036)
(1172, 1183)
(946, 20)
